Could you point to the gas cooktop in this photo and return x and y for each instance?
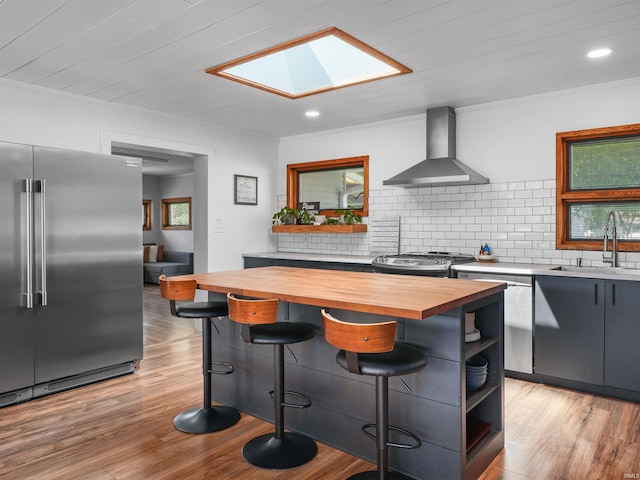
(431, 263)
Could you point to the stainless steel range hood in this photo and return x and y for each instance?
(441, 166)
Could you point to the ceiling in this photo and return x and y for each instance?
(152, 54)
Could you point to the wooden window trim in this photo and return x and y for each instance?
(165, 213)
(563, 196)
(220, 69)
(295, 168)
(146, 223)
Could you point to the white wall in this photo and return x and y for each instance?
(506, 141)
(515, 140)
(157, 188)
(40, 116)
(511, 142)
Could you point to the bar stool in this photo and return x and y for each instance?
(278, 450)
(207, 418)
(371, 349)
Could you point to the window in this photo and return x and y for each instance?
(337, 184)
(598, 171)
(315, 63)
(146, 214)
(176, 213)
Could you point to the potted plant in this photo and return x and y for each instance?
(332, 221)
(348, 217)
(305, 217)
(285, 216)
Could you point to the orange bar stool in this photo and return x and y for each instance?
(279, 450)
(371, 349)
(207, 418)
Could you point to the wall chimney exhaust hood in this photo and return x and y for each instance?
(441, 167)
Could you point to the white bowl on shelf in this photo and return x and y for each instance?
(472, 336)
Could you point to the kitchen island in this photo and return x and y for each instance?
(430, 313)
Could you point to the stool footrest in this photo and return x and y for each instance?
(306, 400)
(417, 442)
(229, 368)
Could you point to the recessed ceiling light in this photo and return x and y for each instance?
(600, 52)
(315, 63)
(312, 113)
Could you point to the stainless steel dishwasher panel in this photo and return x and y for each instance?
(518, 319)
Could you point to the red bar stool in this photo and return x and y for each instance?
(207, 418)
(371, 349)
(278, 450)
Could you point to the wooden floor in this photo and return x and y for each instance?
(122, 428)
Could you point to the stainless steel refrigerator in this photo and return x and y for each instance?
(70, 269)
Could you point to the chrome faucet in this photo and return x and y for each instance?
(611, 258)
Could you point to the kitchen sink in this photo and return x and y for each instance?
(601, 270)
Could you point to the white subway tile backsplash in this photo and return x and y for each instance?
(534, 185)
(489, 195)
(534, 202)
(506, 211)
(517, 219)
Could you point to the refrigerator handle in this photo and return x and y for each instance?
(28, 187)
(43, 243)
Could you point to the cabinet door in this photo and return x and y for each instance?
(622, 331)
(252, 262)
(569, 328)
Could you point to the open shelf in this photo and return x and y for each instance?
(473, 348)
(357, 228)
(476, 396)
(476, 431)
(479, 447)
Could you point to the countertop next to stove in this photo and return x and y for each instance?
(503, 268)
(479, 267)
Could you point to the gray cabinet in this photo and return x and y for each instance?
(586, 330)
(569, 328)
(621, 334)
(253, 262)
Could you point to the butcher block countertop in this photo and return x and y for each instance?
(404, 296)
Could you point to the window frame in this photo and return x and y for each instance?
(564, 196)
(222, 70)
(146, 222)
(294, 169)
(166, 210)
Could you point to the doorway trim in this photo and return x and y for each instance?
(200, 173)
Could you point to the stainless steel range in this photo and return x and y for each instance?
(430, 264)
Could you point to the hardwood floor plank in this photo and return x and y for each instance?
(122, 429)
(554, 433)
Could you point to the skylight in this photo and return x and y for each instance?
(323, 61)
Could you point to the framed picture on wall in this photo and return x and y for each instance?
(245, 190)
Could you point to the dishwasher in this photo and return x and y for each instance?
(518, 318)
